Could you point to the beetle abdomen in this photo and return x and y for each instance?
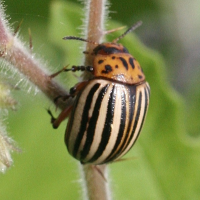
(106, 120)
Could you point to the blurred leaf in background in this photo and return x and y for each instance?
(166, 164)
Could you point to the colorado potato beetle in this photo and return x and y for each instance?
(109, 110)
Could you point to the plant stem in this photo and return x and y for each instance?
(94, 27)
(13, 51)
(97, 187)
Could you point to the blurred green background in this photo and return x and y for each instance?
(167, 153)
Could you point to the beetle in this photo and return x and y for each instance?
(109, 109)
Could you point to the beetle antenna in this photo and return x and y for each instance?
(113, 30)
(132, 28)
(78, 38)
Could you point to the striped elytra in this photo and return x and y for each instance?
(109, 109)
(106, 120)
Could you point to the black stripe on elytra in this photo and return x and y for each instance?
(112, 155)
(148, 89)
(131, 61)
(84, 119)
(144, 114)
(93, 122)
(125, 64)
(136, 120)
(107, 127)
(131, 102)
(71, 119)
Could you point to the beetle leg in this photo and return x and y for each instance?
(77, 88)
(73, 91)
(58, 72)
(64, 98)
(63, 115)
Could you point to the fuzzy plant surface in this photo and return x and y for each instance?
(163, 164)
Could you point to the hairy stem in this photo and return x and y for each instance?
(14, 52)
(97, 187)
(94, 28)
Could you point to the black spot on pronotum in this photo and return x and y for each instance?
(125, 64)
(108, 69)
(131, 61)
(100, 61)
(116, 66)
(140, 77)
(113, 57)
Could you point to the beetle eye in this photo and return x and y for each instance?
(125, 50)
(103, 50)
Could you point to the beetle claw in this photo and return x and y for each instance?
(63, 98)
(52, 117)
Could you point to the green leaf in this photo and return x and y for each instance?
(63, 23)
(165, 162)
